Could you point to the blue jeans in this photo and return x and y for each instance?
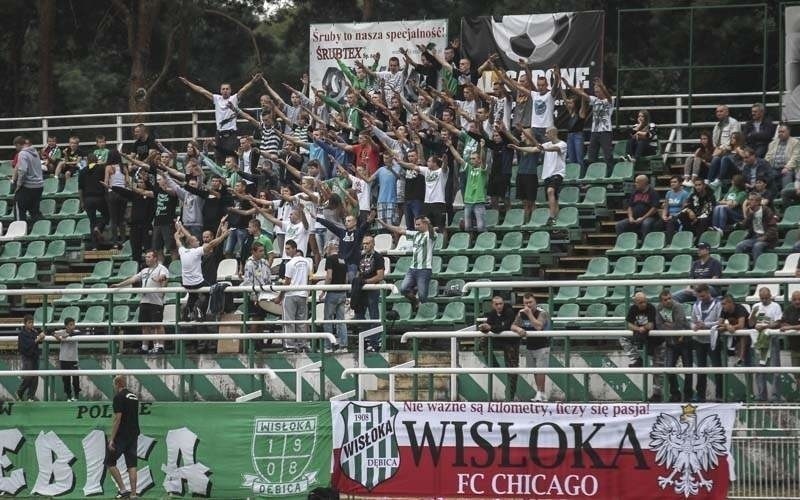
(334, 310)
(722, 214)
(753, 246)
(419, 278)
(575, 147)
(235, 240)
(722, 167)
(373, 296)
(479, 210)
(414, 209)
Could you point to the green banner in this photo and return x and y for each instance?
(214, 450)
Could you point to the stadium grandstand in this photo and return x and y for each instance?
(433, 232)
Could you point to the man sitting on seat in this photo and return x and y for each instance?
(642, 209)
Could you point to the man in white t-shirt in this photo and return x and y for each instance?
(295, 229)
(191, 254)
(295, 303)
(767, 314)
(363, 188)
(553, 169)
(435, 173)
(151, 305)
(225, 105)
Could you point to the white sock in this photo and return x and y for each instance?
(145, 346)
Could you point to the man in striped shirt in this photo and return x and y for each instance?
(419, 273)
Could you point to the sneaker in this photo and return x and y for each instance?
(290, 349)
(551, 221)
(156, 350)
(370, 348)
(123, 494)
(142, 350)
(329, 350)
(636, 364)
(714, 184)
(717, 229)
(539, 397)
(414, 301)
(342, 349)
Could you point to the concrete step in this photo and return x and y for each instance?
(425, 358)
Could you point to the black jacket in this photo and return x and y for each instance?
(27, 345)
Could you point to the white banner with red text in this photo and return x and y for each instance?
(541, 450)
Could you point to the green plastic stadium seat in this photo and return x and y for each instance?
(652, 267)
(593, 294)
(713, 238)
(733, 239)
(26, 274)
(70, 209)
(623, 171)
(567, 218)
(624, 268)
(597, 269)
(47, 207)
(483, 293)
(11, 251)
(40, 230)
(572, 173)
(69, 298)
(95, 314)
(56, 249)
(568, 197)
(454, 313)
(787, 246)
(7, 271)
(396, 296)
(175, 271)
(625, 245)
(483, 266)
(765, 265)
(619, 293)
(124, 253)
(653, 243)
(596, 310)
(512, 221)
(64, 230)
(455, 224)
(400, 268)
(484, 243)
(5, 189)
(39, 316)
(70, 188)
(620, 148)
(433, 289)
(679, 267)
(426, 314)
(511, 265)
(6, 169)
(436, 265)
(456, 267)
(538, 242)
(595, 173)
(34, 252)
(791, 218)
(126, 270)
(91, 299)
(50, 187)
(82, 229)
(652, 292)
(120, 314)
(739, 290)
(538, 219)
(101, 272)
(73, 312)
(595, 197)
(5, 215)
(681, 243)
(512, 242)
(737, 266)
(568, 311)
(566, 294)
(458, 243)
(492, 217)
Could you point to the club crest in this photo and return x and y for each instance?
(369, 454)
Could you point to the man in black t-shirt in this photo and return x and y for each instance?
(537, 352)
(124, 436)
(498, 320)
(641, 319)
(335, 274)
(144, 142)
(370, 272)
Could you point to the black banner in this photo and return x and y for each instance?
(571, 40)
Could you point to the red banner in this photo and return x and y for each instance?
(533, 450)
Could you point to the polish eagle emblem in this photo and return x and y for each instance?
(688, 448)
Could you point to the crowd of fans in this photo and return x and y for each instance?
(291, 187)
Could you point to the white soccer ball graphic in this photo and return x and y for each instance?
(535, 37)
